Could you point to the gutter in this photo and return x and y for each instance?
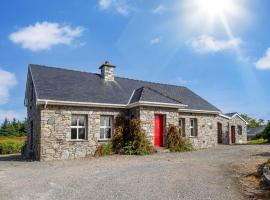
(181, 107)
(46, 102)
(199, 111)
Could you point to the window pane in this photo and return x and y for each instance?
(106, 121)
(74, 121)
(81, 120)
(109, 121)
(73, 133)
(239, 130)
(180, 123)
(192, 131)
(81, 133)
(192, 122)
(108, 133)
(102, 133)
(102, 121)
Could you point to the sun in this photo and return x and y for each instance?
(212, 15)
(215, 8)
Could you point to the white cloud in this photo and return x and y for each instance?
(45, 35)
(119, 6)
(159, 9)
(10, 114)
(104, 4)
(208, 44)
(264, 62)
(155, 40)
(8, 81)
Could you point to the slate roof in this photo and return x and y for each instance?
(255, 131)
(68, 85)
(230, 114)
(151, 95)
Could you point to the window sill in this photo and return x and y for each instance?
(104, 140)
(77, 140)
(193, 136)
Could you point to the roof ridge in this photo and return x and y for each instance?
(160, 93)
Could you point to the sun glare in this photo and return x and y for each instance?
(214, 9)
(210, 13)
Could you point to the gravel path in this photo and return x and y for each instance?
(203, 174)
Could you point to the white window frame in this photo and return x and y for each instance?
(106, 127)
(77, 127)
(194, 127)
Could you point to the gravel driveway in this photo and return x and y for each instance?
(203, 174)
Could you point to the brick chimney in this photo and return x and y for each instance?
(107, 71)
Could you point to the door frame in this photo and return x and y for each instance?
(233, 129)
(161, 116)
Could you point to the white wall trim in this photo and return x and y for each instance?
(199, 111)
(73, 103)
(106, 105)
(225, 116)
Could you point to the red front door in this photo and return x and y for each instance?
(233, 134)
(159, 129)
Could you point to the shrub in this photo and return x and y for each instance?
(136, 142)
(266, 133)
(176, 143)
(9, 147)
(104, 150)
(119, 133)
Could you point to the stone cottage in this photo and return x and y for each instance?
(71, 112)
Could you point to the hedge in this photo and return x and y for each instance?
(9, 147)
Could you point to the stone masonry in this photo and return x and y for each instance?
(206, 128)
(56, 131)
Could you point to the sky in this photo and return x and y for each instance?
(220, 50)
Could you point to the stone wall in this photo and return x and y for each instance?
(239, 139)
(147, 117)
(225, 129)
(56, 131)
(33, 116)
(207, 129)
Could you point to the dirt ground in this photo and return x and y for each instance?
(248, 174)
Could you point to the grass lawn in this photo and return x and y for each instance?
(257, 141)
(13, 139)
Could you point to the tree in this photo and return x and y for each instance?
(252, 123)
(266, 132)
(13, 128)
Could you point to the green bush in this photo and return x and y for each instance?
(136, 142)
(118, 139)
(266, 133)
(177, 143)
(9, 147)
(104, 150)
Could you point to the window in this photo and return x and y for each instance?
(182, 125)
(105, 127)
(239, 130)
(78, 127)
(193, 128)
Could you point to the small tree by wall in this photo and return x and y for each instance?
(177, 143)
